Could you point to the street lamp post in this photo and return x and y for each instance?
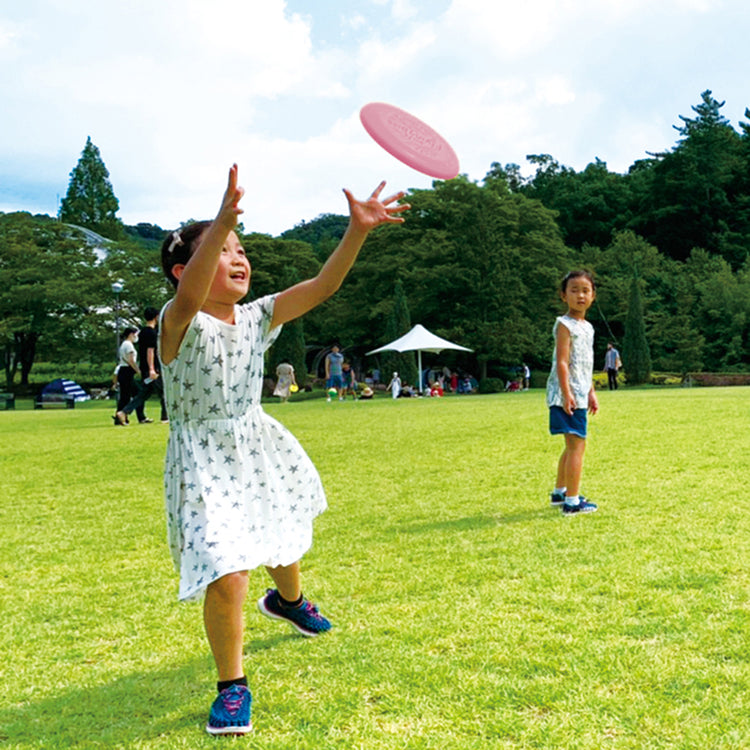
(117, 287)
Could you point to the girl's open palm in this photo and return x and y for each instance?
(367, 215)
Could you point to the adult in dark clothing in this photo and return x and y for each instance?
(149, 363)
(611, 365)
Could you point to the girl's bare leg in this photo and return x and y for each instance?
(570, 467)
(224, 620)
(287, 580)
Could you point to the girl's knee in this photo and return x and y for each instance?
(575, 444)
(230, 586)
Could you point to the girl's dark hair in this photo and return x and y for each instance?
(179, 245)
(580, 273)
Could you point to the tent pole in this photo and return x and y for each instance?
(419, 357)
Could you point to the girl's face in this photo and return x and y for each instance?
(232, 279)
(579, 295)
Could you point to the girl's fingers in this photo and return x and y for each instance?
(232, 181)
(395, 197)
(378, 189)
(398, 209)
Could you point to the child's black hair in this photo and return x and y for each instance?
(179, 245)
(580, 273)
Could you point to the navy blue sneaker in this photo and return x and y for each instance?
(556, 498)
(584, 506)
(305, 618)
(230, 712)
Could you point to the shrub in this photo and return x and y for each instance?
(718, 378)
(491, 385)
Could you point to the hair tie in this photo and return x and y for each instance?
(176, 240)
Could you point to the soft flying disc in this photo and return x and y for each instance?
(294, 388)
(410, 140)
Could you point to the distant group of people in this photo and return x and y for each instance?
(142, 363)
(447, 380)
(340, 378)
(521, 381)
(436, 386)
(341, 381)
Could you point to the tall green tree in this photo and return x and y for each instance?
(322, 233)
(90, 201)
(144, 284)
(399, 323)
(678, 343)
(479, 265)
(691, 199)
(635, 351)
(290, 345)
(723, 314)
(591, 205)
(51, 292)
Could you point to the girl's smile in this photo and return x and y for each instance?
(232, 277)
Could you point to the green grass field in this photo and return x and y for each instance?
(467, 612)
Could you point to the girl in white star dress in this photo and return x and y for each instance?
(240, 490)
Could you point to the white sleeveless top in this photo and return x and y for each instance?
(581, 362)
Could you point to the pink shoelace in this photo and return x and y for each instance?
(232, 700)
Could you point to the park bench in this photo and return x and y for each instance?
(42, 400)
(9, 400)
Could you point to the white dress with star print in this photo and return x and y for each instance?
(240, 490)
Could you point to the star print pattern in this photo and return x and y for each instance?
(240, 491)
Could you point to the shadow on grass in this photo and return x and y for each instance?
(128, 711)
(475, 523)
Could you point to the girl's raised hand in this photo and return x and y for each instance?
(366, 215)
(230, 209)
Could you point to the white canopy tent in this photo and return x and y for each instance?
(419, 339)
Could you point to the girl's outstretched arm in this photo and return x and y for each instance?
(196, 276)
(364, 216)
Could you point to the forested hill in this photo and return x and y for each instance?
(476, 262)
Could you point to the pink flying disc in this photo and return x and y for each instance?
(410, 140)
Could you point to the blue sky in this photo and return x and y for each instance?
(173, 91)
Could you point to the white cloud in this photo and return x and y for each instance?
(8, 36)
(403, 10)
(554, 90)
(172, 92)
(379, 59)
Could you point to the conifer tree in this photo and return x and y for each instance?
(635, 350)
(290, 345)
(90, 201)
(397, 324)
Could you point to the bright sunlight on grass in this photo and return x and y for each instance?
(467, 612)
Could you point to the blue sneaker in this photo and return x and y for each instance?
(230, 712)
(584, 506)
(305, 618)
(556, 498)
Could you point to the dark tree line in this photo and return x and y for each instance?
(478, 263)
